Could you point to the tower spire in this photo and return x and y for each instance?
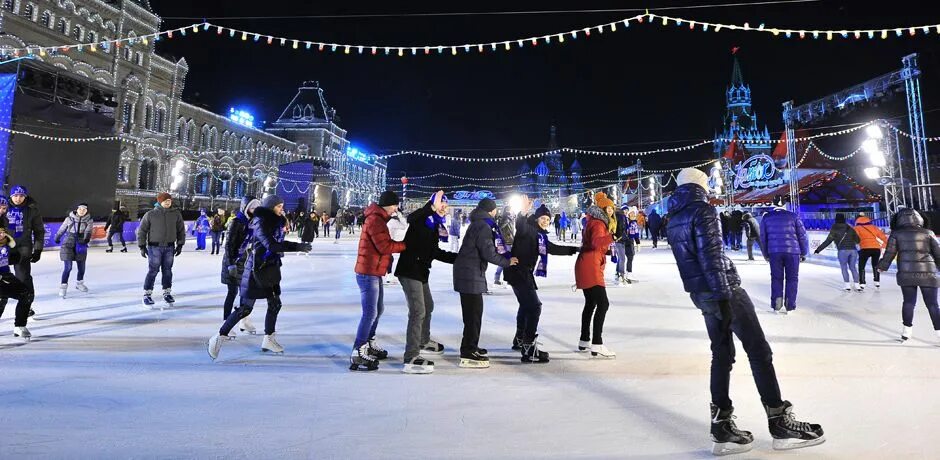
(736, 78)
(552, 142)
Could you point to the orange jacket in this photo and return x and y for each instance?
(870, 236)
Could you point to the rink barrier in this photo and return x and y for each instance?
(99, 237)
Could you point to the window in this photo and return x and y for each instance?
(148, 175)
(148, 117)
(77, 33)
(9, 5)
(126, 117)
(128, 53)
(140, 59)
(91, 37)
(62, 26)
(204, 138)
(179, 131)
(161, 116)
(45, 19)
(122, 174)
(192, 135)
(201, 185)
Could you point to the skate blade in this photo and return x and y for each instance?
(600, 356)
(790, 444)
(473, 364)
(432, 352)
(249, 332)
(265, 350)
(25, 339)
(728, 448)
(362, 368)
(412, 369)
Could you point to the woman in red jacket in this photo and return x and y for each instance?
(589, 274)
(375, 256)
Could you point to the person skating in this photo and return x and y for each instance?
(217, 227)
(508, 230)
(846, 240)
(633, 225)
(532, 248)
(589, 276)
(201, 230)
(712, 281)
(24, 223)
(338, 224)
(654, 224)
(576, 226)
(12, 288)
(871, 241)
(783, 237)
(160, 237)
(918, 256)
(76, 229)
(735, 225)
(308, 230)
(425, 232)
(234, 256)
(564, 226)
(483, 244)
(375, 250)
(115, 226)
(624, 245)
(315, 224)
(752, 231)
(453, 230)
(261, 278)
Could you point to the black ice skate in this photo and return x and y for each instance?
(361, 360)
(474, 360)
(790, 433)
(124, 249)
(517, 342)
(532, 354)
(148, 299)
(376, 351)
(110, 249)
(726, 436)
(168, 298)
(433, 348)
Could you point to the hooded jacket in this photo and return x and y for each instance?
(77, 232)
(843, 235)
(421, 248)
(161, 227)
(526, 249)
(694, 234)
(478, 250)
(375, 243)
(654, 221)
(781, 231)
(26, 228)
(917, 251)
(262, 275)
(596, 240)
(869, 235)
(116, 222)
(233, 255)
(750, 226)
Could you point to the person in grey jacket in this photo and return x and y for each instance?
(483, 244)
(846, 240)
(918, 256)
(76, 231)
(161, 229)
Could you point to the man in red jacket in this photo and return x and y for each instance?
(375, 255)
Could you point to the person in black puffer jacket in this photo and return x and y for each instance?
(115, 226)
(712, 281)
(532, 248)
(918, 256)
(752, 233)
(233, 257)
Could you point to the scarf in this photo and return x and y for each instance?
(541, 269)
(5, 258)
(612, 225)
(436, 223)
(501, 248)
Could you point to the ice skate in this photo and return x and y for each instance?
(532, 354)
(124, 249)
(726, 436)
(63, 288)
(857, 287)
(418, 365)
(861, 287)
(778, 306)
(80, 285)
(361, 360)
(584, 345)
(474, 360)
(22, 333)
(906, 333)
(630, 278)
(168, 298)
(848, 287)
(877, 284)
(790, 433)
(377, 351)
(245, 326)
(601, 351)
(269, 345)
(110, 249)
(148, 299)
(214, 345)
(516, 343)
(433, 348)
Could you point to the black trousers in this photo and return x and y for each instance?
(120, 234)
(229, 300)
(745, 325)
(750, 247)
(13, 288)
(530, 310)
(863, 256)
(595, 305)
(244, 309)
(472, 307)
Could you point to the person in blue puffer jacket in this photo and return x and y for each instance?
(783, 239)
(711, 279)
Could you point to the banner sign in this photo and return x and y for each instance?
(477, 195)
(758, 171)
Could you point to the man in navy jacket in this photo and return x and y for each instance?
(784, 241)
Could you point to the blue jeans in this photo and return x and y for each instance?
(620, 250)
(848, 261)
(68, 270)
(371, 293)
(499, 270)
(159, 259)
(338, 231)
(216, 241)
(784, 268)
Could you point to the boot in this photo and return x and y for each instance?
(22, 332)
(848, 286)
(517, 341)
(148, 299)
(418, 365)
(857, 287)
(269, 344)
(214, 345)
(80, 285)
(601, 351)
(110, 249)
(168, 297)
(584, 345)
(474, 360)
(726, 436)
(790, 433)
(907, 333)
(245, 326)
(361, 360)
(433, 348)
(63, 288)
(377, 351)
(532, 354)
(124, 249)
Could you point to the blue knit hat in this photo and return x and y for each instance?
(19, 190)
(3, 201)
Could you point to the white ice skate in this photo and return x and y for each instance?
(418, 365)
(848, 286)
(584, 345)
(22, 333)
(877, 284)
(861, 288)
(630, 278)
(63, 288)
(214, 345)
(907, 333)
(601, 351)
(269, 344)
(245, 326)
(857, 287)
(80, 285)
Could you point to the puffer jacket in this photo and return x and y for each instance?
(478, 250)
(694, 234)
(233, 259)
(24, 225)
(116, 222)
(750, 226)
(163, 227)
(526, 249)
(917, 251)
(375, 243)
(77, 233)
(262, 275)
(595, 241)
(781, 231)
(843, 235)
(422, 247)
(869, 235)
(654, 222)
(507, 228)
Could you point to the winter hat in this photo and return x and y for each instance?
(487, 205)
(840, 218)
(18, 190)
(388, 198)
(245, 201)
(601, 200)
(82, 205)
(271, 201)
(251, 206)
(163, 197)
(692, 176)
(542, 211)
(3, 201)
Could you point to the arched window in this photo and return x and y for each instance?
(204, 138)
(106, 44)
(28, 11)
(126, 117)
(148, 117)
(77, 33)
(161, 118)
(148, 175)
(192, 135)
(201, 184)
(180, 130)
(140, 59)
(46, 19)
(91, 37)
(128, 53)
(240, 187)
(9, 5)
(62, 26)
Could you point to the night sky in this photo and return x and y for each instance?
(634, 89)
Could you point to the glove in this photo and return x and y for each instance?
(232, 271)
(802, 258)
(143, 251)
(56, 240)
(36, 256)
(724, 308)
(816, 251)
(179, 250)
(306, 247)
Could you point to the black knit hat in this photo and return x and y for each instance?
(487, 205)
(388, 198)
(271, 201)
(542, 211)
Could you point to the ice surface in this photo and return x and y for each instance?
(105, 378)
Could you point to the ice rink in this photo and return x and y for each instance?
(105, 378)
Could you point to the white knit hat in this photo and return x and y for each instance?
(692, 176)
